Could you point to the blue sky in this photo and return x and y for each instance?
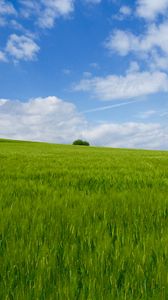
(91, 69)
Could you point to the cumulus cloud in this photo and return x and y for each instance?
(6, 8)
(22, 47)
(149, 9)
(158, 61)
(47, 11)
(134, 67)
(41, 119)
(152, 45)
(124, 42)
(51, 119)
(54, 9)
(129, 135)
(124, 12)
(131, 85)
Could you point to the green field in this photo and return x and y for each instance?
(82, 223)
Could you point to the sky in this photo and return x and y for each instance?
(90, 69)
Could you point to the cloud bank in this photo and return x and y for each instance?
(54, 120)
(40, 119)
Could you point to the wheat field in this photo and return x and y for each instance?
(82, 223)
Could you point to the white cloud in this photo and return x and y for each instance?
(121, 41)
(3, 57)
(17, 26)
(134, 67)
(124, 42)
(47, 11)
(42, 13)
(41, 119)
(131, 85)
(22, 47)
(125, 10)
(152, 46)
(158, 61)
(129, 135)
(54, 9)
(3, 101)
(6, 8)
(29, 7)
(54, 120)
(150, 9)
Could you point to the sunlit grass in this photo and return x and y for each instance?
(82, 223)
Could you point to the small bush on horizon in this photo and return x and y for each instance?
(81, 143)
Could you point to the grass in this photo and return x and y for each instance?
(82, 223)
